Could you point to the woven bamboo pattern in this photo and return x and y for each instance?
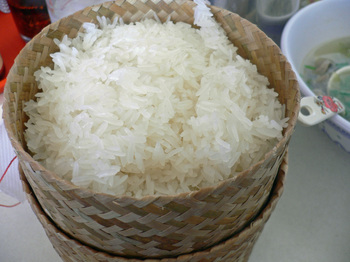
(236, 248)
(153, 226)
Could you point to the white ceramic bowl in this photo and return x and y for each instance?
(308, 28)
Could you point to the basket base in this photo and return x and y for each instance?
(237, 248)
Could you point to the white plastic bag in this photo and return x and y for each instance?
(62, 8)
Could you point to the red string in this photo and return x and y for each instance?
(2, 177)
(1, 205)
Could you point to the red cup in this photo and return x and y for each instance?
(2, 68)
(30, 16)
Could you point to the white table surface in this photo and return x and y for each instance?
(310, 223)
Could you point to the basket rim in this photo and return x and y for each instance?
(24, 155)
(262, 217)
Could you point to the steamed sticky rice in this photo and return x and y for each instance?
(151, 108)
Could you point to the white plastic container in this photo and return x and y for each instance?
(310, 27)
(276, 12)
(272, 16)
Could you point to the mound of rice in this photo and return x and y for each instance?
(151, 108)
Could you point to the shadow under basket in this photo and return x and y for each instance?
(236, 248)
(152, 226)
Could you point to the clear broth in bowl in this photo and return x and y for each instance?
(322, 62)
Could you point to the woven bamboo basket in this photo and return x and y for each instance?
(153, 226)
(236, 248)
